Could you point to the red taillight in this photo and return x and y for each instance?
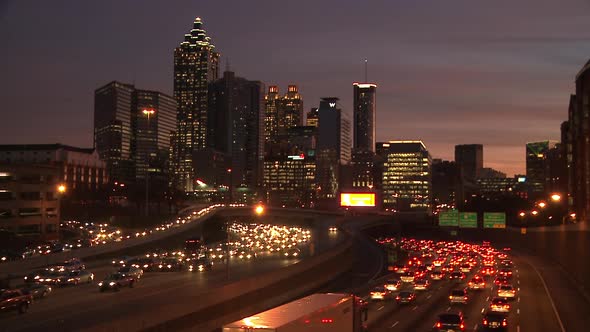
(397, 297)
(462, 326)
(504, 323)
(438, 324)
(485, 322)
(465, 298)
(327, 320)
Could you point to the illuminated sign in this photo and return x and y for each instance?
(332, 105)
(299, 157)
(357, 199)
(521, 179)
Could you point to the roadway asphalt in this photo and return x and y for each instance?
(531, 310)
(83, 307)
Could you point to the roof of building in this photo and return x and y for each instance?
(583, 70)
(45, 147)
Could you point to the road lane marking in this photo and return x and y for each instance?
(487, 298)
(449, 309)
(414, 308)
(483, 310)
(475, 327)
(380, 308)
(550, 298)
(429, 296)
(519, 299)
(394, 324)
(518, 311)
(517, 328)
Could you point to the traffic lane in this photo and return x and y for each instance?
(88, 307)
(404, 316)
(536, 311)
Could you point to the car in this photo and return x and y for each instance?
(405, 297)
(494, 321)
(393, 284)
(14, 299)
(333, 229)
(380, 293)
(501, 280)
(75, 278)
(51, 277)
(123, 261)
(115, 281)
(476, 282)
(457, 276)
(34, 277)
(437, 275)
(407, 277)
(131, 271)
(73, 264)
(506, 290)
(488, 271)
(37, 291)
(170, 264)
(292, 253)
(450, 322)
(465, 268)
(499, 304)
(146, 264)
(199, 264)
(505, 272)
(421, 284)
(458, 296)
(398, 268)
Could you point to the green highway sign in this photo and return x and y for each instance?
(448, 218)
(494, 220)
(468, 220)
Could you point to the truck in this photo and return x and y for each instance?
(330, 312)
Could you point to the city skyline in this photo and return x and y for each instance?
(501, 86)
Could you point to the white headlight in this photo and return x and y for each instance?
(111, 283)
(100, 284)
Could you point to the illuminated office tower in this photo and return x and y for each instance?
(195, 65)
(281, 113)
(364, 116)
(406, 180)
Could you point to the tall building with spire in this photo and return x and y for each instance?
(364, 103)
(195, 65)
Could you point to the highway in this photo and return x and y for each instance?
(83, 307)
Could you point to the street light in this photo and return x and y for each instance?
(522, 214)
(259, 209)
(542, 205)
(535, 212)
(556, 197)
(61, 188)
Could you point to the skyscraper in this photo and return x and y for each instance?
(281, 113)
(236, 127)
(153, 118)
(536, 166)
(406, 180)
(364, 116)
(132, 131)
(334, 146)
(112, 129)
(469, 159)
(195, 65)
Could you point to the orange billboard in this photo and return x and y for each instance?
(357, 199)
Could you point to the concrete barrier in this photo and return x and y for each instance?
(25, 265)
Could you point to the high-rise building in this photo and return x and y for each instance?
(195, 66)
(362, 168)
(536, 166)
(579, 128)
(271, 115)
(334, 146)
(236, 127)
(488, 173)
(289, 180)
(153, 118)
(406, 179)
(112, 129)
(132, 131)
(281, 113)
(312, 117)
(469, 159)
(445, 182)
(364, 104)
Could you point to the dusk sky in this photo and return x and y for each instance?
(449, 72)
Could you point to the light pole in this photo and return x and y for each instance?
(147, 112)
(229, 172)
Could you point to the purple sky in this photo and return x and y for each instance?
(449, 72)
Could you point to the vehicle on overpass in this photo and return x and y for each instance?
(193, 247)
(318, 312)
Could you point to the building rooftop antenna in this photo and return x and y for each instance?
(366, 63)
